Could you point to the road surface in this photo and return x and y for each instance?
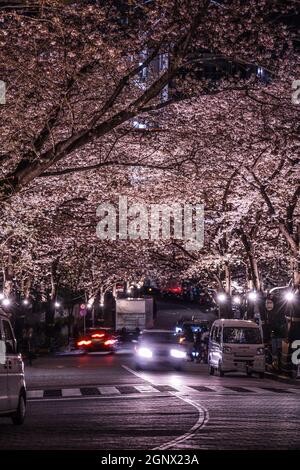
(100, 402)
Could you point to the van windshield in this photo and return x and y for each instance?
(242, 335)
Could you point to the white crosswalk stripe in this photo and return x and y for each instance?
(109, 390)
(71, 392)
(35, 394)
(146, 389)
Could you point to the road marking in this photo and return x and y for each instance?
(71, 392)
(35, 394)
(146, 389)
(203, 418)
(135, 373)
(149, 386)
(294, 390)
(99, 397)
(105, 390)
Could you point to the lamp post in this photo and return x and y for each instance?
(222, 299)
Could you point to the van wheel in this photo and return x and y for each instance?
(138, 367)
(261, 375)
(211, 370)
(249, 373)
(19, 416)
(221, 372)
(178, 368)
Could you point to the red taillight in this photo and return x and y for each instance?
(110, 342)
(98, 335)
(84, 343)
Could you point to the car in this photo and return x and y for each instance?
(98, 339)
(159, 347)
(12, 379)
(236, 346)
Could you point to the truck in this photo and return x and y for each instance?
(132, 313)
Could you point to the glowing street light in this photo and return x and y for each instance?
(289, 296)
(222, 298)
(25, 302)
(236, 300)
(57, 304)
(6, 302)
(252, 296)
(90, 303)
(129, 290)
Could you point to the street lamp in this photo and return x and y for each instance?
(57, 304)
(289, 296)
(252, 296)
(222, 297)
(25, 302)
(6, 302)
(236, 300)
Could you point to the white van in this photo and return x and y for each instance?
(236, 346)
(12, 381)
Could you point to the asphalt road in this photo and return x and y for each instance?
(100, 402)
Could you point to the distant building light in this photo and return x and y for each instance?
(260, 72)
(139, 125)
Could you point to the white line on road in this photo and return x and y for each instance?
(35, 393)
(71, 392)
(135, 373)
(99, 397)
(203, 416)
(106, 390)
(146, 389)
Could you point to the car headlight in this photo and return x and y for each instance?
(227, 349)
(260, 351)
(145, 352)
(178, 354)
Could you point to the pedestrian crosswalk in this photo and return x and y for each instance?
(144, 389)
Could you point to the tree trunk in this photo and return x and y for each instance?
(8, 276)
(254, 275)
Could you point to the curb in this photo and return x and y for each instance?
(282, 378)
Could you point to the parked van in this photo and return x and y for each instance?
(236, 346)
(12, 381)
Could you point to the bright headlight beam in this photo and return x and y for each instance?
(145, 352)
(177, 353)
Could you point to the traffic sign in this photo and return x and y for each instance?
(82, 310)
